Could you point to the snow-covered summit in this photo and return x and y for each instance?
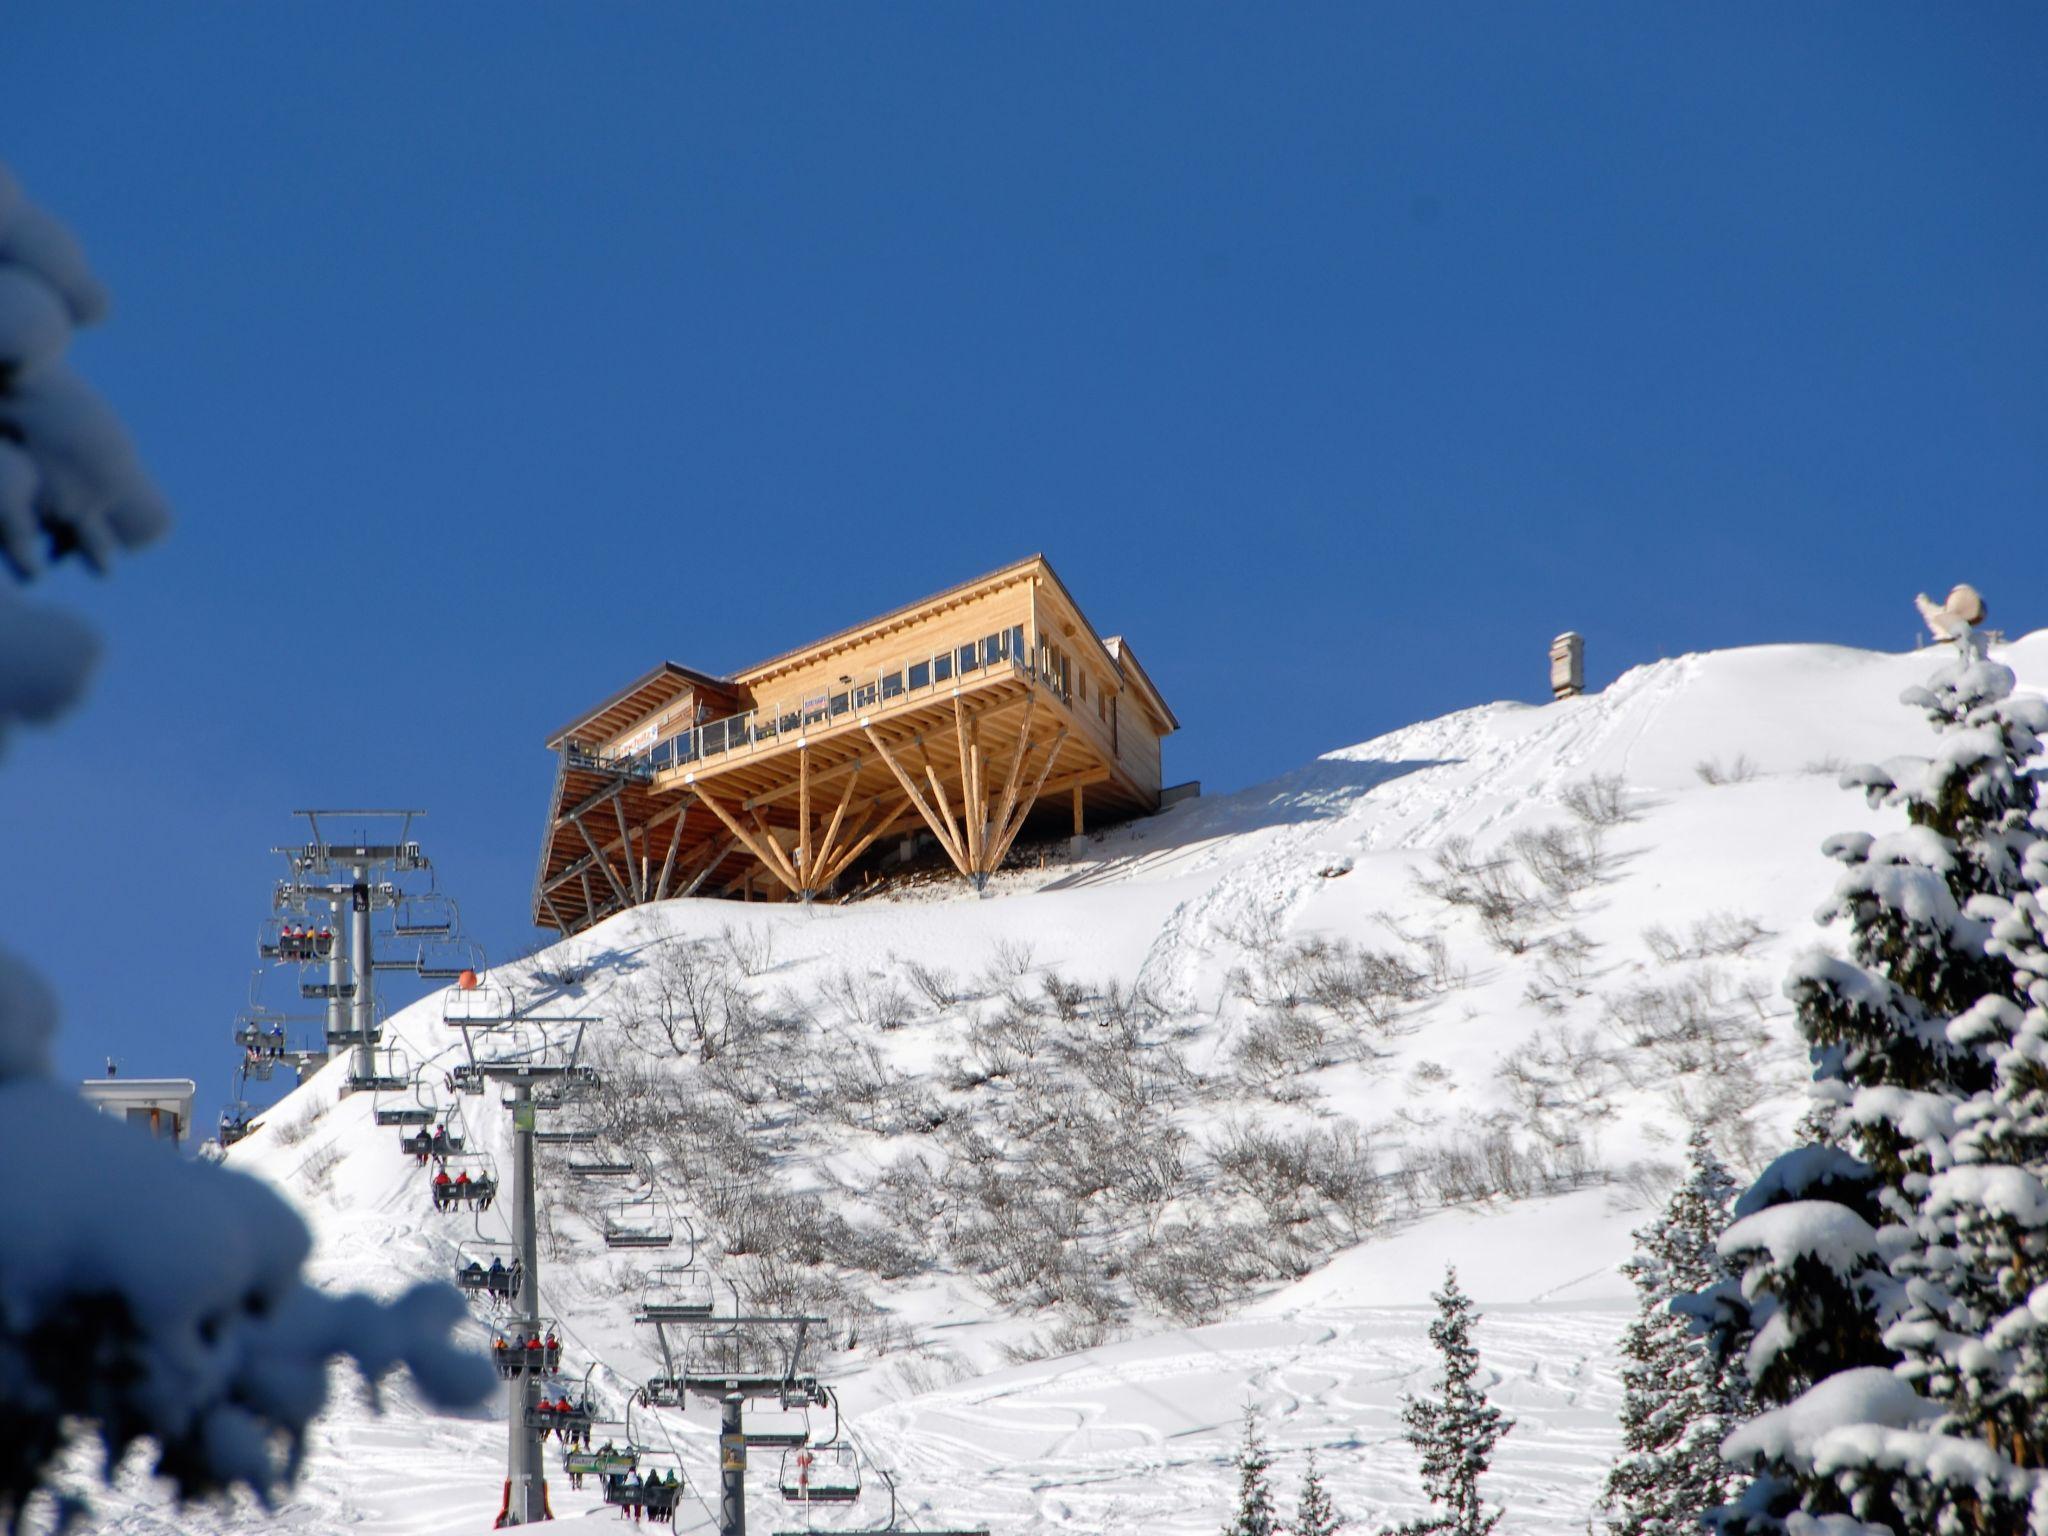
(1080, 1167)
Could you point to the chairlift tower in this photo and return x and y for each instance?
(732, 1382)
(337, 872)
(526, 1491)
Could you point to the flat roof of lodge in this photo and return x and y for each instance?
(671, 680)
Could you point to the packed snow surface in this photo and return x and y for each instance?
(1665, 1008)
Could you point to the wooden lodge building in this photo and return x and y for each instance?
(965, 717)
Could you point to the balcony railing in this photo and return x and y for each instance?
(767, 726)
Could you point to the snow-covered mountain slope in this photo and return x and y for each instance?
(1318, 1039)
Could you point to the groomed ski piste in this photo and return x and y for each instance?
(1728, 766)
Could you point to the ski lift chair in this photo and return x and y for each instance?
(786, 1428)
(466, 1077)
(677, 1293)
(520, 1351)
(236, 1121)
(662, 1392)
(479, 1007)
(564, 1138)
(641, 1221)
(736, 1353)
(389, 1072)
(417, 1109)
(429, 916)
(821, 1474)
(450, 960)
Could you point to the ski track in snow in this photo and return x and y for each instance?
(1138, 1435)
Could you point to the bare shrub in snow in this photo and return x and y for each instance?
(1507, 910)
(1712, 771)
(1697, 1023)
(1563, 861)
(1280, 1045)
(1194, 1273)
(934, 983)
(687, 1000)
(1598, 800)
(865, 1001)
(750, 946)
(294, 1131)
(1719, 934)
(1009, 962)
(1302, 1175)
(1068, 1000)
(1563, 1082)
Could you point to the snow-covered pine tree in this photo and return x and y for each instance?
(144, 1297)
(1314, 1515)
(1255, 1513)
(1861, 1277)
(1456, 1431)
(1680, 1398)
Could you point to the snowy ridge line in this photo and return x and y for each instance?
(1133, 1429)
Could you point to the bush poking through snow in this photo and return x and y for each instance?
(1712, 771)
(1598, 801)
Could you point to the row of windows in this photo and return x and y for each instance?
(737, 731)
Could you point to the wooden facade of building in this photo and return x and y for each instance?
(966, 716)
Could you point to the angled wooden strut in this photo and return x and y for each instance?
(941, 827)
(979, 839)
(757, 840)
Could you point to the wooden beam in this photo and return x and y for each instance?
(1016, 825)
(803, 818)
(823, 852)
(878, 823)
(1024, 749)
(971, 833)
(586, 806)
(604, 864)
(716, 858)
(674, 839)
(784, 791)
(958, 842)
(583, 864)
(1079, 828)
(626, 838)
(781, 866)
(939, 829)
(747, 839)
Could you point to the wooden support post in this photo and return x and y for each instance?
(603, 863)
(764, 849)
(675, 839)
(803, 820)
(1079, 827)
(823, 852)
(879, 821)
(1024, 804)
(626, 842)
(971, 838)
(779, 862)
(940, 829)
(1002, 816)
(715, 858)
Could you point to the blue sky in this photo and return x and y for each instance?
(1339, 355)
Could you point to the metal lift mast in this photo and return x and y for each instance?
(526, 1489)
(316, 870)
